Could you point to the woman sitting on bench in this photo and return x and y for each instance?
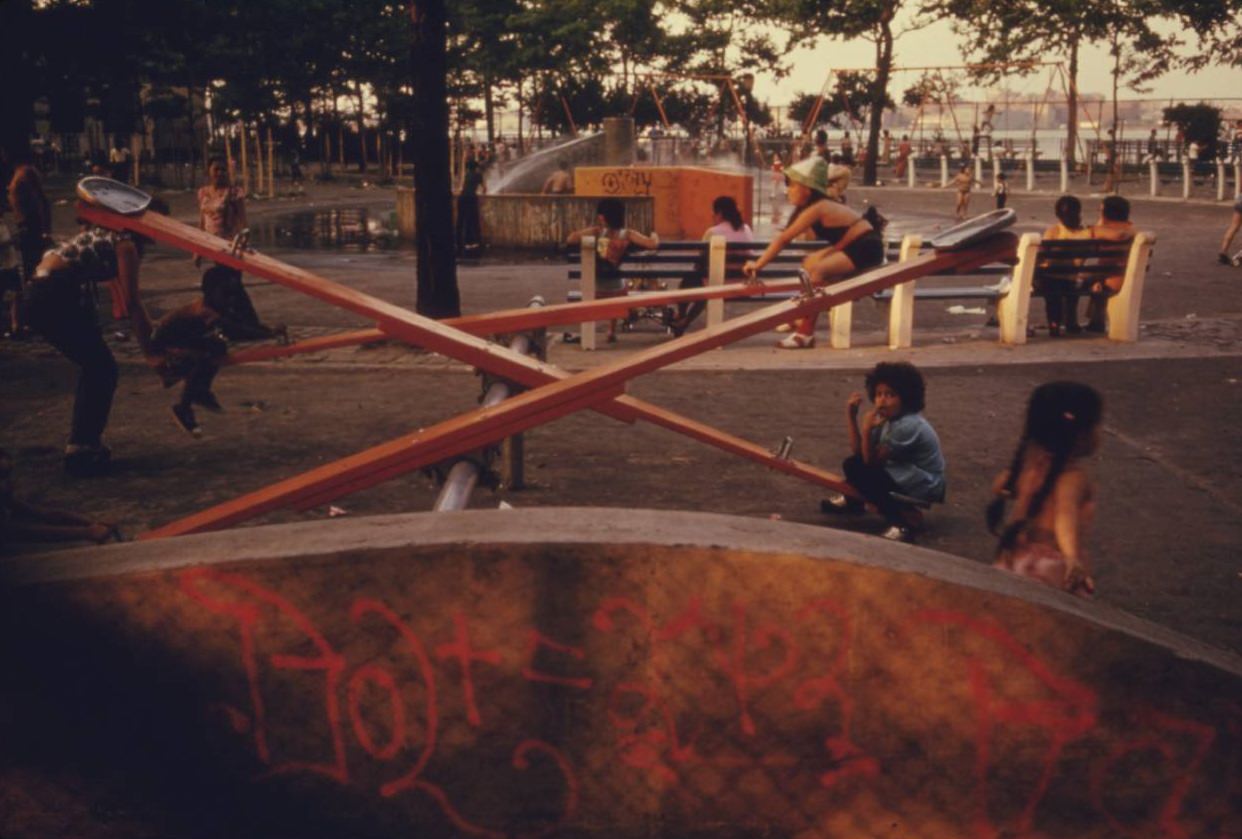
(727, 222)
(819, 210)
(612, 240)
(896, 460)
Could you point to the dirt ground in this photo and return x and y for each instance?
(1165, 545)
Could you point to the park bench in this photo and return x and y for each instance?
(1081, 261)
(671, 262)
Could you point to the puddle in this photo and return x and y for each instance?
(355, 229)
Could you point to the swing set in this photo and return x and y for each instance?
(647, 83)
(938, 88)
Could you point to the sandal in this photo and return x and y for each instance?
(797, 341)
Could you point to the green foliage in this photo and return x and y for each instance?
(1199, 123)
(846, 104)
(930, 89)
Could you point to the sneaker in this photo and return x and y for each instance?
(208, 400)
(797, 341)
(837, 502)
(183, 415)
(897, 533)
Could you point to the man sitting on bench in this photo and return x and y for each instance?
(1114, 225)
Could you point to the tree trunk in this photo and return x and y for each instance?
(362, 131)
(489, 108)
(16, 97)
(879, 91)
(1071, 124)
(521, 140)
(438, 296)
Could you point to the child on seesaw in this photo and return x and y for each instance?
(187, 345)
(1053, 496)
(895, 451)
(612, 241)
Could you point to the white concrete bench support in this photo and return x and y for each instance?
(715, 277)
(901, 311)
(1123, 310)
(587, 284)
(1013, 310)
(840, 323)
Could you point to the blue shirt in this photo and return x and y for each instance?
(914, 461)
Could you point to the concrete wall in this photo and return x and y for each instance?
(536, 222)
(592, 672)
(683, 195)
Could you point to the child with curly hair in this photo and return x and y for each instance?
(895, 451)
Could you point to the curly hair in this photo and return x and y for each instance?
(904, 379)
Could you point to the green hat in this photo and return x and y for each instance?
(811, 172)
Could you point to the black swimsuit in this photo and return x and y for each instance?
(867, 251)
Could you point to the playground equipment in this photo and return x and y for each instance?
(554, 393)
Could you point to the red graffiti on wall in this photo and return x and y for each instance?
(1067, 712)
(254, 608)
(754, 659)
(1181, 744)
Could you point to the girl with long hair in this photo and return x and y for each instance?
(1053, 496)
(727, 221)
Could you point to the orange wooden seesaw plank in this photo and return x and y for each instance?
(530, 375)
(520, 320)
(587, 389)
(687, 346)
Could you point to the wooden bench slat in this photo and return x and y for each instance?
(948, 293)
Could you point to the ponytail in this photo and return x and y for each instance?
(1057, 417)
(873, 217)
(1009, 536)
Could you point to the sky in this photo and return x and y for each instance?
(938, 45)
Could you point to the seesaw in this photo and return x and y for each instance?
(554, 393)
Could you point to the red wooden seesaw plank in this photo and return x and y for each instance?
(520, 320)
(394, 320)
(687, 346)
(553, 400)
(512, 320)
(268, 352)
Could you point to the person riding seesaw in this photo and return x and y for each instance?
(817, 192)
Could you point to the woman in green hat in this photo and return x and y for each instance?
(816, 190)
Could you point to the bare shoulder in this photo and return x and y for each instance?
(1073, 486)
